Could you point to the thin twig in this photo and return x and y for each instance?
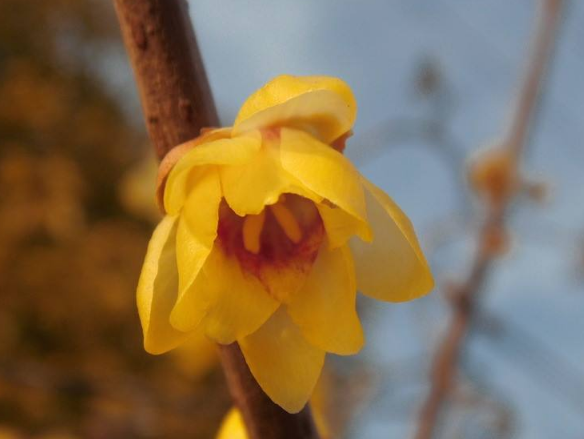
(177, 103)
(465, 296)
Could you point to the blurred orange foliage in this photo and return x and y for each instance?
(72, 243)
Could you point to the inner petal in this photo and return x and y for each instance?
(249, 187)
(278, 246)
(287, 222)
(252, 231)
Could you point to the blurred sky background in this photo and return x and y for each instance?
(479, 51)
(435, 80)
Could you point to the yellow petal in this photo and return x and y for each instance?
(248, 188)
(158, 288)
(283, 363)
(232, 151)
(324, 308)
(392, 267)
(340, 226)
(324, 171)
(233, 426)
(197, 228)
(322, 105)
(228, 303)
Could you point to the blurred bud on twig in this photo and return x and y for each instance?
(493, 175)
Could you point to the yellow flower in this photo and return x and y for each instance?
(268, 234)
(493, 174)
(232, 426)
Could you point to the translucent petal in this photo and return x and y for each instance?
(324, 106)
(283, 363)
(158, 288)
(197, 227)
(340, 226)
(324, 308)
(248, 188)
(232, 151)
(323, 170)
(392, 267)
(227, 302)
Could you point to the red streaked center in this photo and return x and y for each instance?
(278, 246)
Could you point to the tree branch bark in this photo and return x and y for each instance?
(465, 296)
(177, 102)
(174, 91)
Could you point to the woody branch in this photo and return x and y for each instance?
(177, 102)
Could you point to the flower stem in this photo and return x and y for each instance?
(177, 103)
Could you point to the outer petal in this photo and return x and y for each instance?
(228, 151)
(341, 226)
(324, 106)
(323, 170)
(227, 302)
(197, 228)
(392, 267)
(324, 308)
(157, 290)
(248, 188)
(283, 363)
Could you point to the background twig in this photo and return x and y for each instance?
(464, 296)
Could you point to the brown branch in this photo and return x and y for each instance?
(174, 91)
(465, 296)
(177, 103)
(542, 48)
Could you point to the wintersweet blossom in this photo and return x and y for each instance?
(232, 426)
(269, 232)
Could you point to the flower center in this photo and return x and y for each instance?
(278, 246)
(254, 224)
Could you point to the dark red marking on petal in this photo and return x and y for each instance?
(279, 261)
